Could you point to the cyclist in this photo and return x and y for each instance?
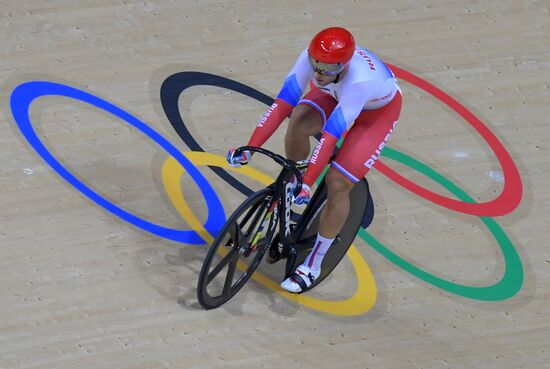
(353, 93)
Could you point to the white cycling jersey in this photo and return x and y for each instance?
(368, 84)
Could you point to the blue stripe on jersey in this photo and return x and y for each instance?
(336, 124)
(291, 91)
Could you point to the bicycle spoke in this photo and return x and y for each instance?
(233, 254)
(260, 216)
(229, 277)
(250, 212)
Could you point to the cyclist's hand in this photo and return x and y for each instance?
(304, 196)
(237, 160)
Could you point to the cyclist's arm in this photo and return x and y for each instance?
(348, 109)
(291, 92)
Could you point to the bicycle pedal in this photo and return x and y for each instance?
(274, 255)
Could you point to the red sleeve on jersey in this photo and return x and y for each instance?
(271, 120)
(320, 158)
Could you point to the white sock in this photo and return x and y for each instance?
(315, 257)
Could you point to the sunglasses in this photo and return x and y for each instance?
(326, 69)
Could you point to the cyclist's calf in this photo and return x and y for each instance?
(337, 208)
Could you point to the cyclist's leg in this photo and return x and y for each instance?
(360, 150)
(333, 216)
(335, 213)
(308, 118)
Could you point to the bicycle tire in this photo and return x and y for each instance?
(252, 208)
(309, 224)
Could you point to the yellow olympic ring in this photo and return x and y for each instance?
(365, 295)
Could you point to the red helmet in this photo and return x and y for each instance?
(333, 45)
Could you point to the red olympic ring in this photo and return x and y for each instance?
(511, 194)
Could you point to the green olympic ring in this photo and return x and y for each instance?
(512, 279)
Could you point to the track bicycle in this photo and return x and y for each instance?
(265, 223)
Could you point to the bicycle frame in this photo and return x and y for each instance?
(251, 228)
(283, 195)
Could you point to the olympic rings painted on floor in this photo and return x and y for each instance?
(359, 303)
(20, 101)
(24, 94)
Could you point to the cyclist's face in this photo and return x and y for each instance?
(323, 80)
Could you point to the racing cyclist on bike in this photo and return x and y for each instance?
(353, 93)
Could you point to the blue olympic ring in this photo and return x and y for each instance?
(20, 101)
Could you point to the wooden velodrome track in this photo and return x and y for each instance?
(83, 288)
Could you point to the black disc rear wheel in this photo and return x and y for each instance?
(232, 257)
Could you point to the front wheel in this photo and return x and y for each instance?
(236, 252)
